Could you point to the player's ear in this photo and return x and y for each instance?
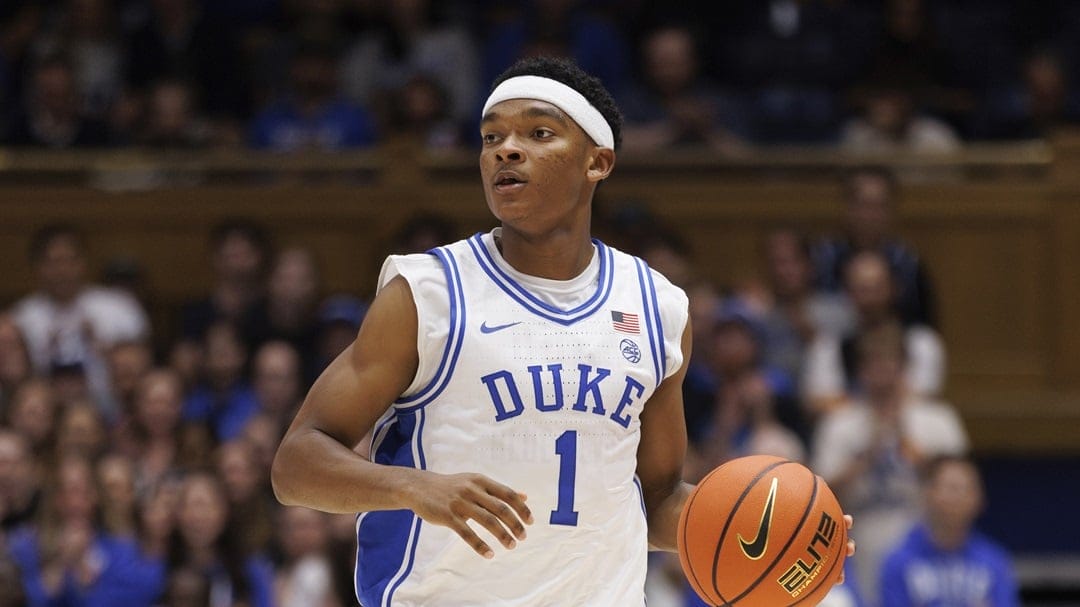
(601, 163)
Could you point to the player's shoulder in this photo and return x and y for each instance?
(413, 267)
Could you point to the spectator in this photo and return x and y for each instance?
(69, 559)
(32, 414)
(870, 198)
(51, 116)
(81, 432)
(20, 22)
(747, 402)
(263, 433)
(277, 382)
(154, 436)
(204, 543)
(869, 451)
(830, 360)
(248, 492)
(910, 52)
(223, 400)
(312, 115)
(304, 577)
(89, 30)
(156, 519)
(240, 252)
(15, 367)
(116, 481)
(68, 322)
(176, 39)
(700, 384)
(413, 45)
(561, 28)
(339, 320)
(289, 312)
(798, 312)
(943, 560)
(675, 104)
(420, 111)
(890, 123)
(128, 362)
(1042, 101)
(172, 119)
(20, 482)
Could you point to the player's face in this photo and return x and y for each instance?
(538, 167)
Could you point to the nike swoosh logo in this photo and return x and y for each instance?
(484, 328)
(756, 548)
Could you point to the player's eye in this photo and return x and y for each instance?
(543, 133)
(489, 137)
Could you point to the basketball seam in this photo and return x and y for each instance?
(690, 503)
(791, 539)
(727, 524)
(843, 538)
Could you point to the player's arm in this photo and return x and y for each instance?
(660, 455)
(316, 466)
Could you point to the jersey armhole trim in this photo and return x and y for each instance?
(648, 312)
(454, 340)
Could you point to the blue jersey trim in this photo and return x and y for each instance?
(453, 342)
(540, 308)
(641, 496)
(646, 309)
(659, 324)
(387, 540)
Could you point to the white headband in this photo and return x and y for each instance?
(576, 106)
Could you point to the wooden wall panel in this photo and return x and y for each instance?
(1004, 255)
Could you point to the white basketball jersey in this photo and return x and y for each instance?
(538, 384)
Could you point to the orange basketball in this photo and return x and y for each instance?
(762, 531)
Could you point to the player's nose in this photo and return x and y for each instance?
(510, 150)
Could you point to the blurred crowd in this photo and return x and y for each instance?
(134, 456)
(286, 75)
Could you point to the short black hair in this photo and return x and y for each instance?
(570, 74)
(45, 236)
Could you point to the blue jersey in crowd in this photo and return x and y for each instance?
(918, 573)
(125, 577)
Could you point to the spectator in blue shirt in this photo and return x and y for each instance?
(943, 561)
(205, 543)
(70, 560)
(314, 115)
(224, 401)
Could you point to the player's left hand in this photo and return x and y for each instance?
(849, 521)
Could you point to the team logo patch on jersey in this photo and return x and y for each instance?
(625, 322)
(630, 351)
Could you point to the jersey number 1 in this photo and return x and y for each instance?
(566, 449)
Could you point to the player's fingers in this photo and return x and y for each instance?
(513, 498)
(507, 515)
(850, 547)
(489, 521)
(472, 539)
(850, 520)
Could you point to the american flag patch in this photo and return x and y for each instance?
(625, 322)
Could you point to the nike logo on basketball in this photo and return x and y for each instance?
(756, 548)
(484, 328)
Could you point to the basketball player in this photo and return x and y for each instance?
(525, 378)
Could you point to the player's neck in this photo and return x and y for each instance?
(559, 255)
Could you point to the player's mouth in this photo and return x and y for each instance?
(507, 182)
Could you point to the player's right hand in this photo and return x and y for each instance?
(451, 500)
